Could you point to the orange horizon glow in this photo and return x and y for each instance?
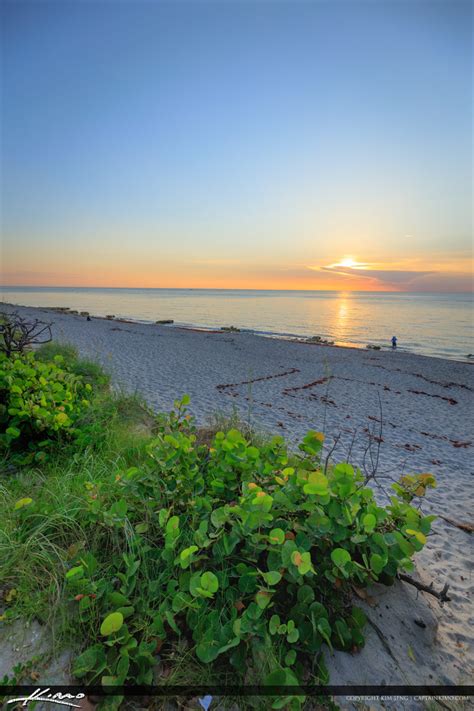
(347, 274)
(113, 261)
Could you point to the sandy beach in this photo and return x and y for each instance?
(418, 409)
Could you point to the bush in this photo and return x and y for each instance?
(90, 371)
(247, 554)
(39, 401)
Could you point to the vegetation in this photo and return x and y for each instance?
(164, 556)
(44, 402)
(17, 334)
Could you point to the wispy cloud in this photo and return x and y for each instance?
(389, 277)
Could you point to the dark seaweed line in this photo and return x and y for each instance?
(223, 386)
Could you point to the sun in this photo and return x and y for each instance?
(347, 262)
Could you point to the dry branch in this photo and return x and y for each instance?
(17, 334)
(441, 595)
(462, 525)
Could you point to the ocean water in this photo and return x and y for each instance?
(438, 325)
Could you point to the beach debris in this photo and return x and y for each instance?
(59, 308)
(458, 444)
(470, 355)
(110, 317)
(450, 384)
(17, 334)
(230, 329)
(224, 386)
(164, 321)
(319, 340)
(421, 623)
(73, 311)
(84, 313)
(409, 447)
(306, 386)
(451, 400)
(441, 595)
(463, 526)
(373, 347)
(364, 595)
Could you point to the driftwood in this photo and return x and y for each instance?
(462, 525)
(17, 334)
(441, 595)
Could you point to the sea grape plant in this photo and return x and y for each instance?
(38, 402)
(236, 549)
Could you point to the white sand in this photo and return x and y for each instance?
(288, 388)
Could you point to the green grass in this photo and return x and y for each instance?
(89, 370)
(34, 556)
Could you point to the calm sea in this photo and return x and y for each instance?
(433, 324)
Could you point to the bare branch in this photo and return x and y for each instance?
(441, 595)
(335, 443)
(462, 525)
(349, 452)
(17, 334)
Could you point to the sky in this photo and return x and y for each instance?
(269, 144)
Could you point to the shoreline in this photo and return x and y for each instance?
(273, 335)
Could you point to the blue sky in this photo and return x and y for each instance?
(189, 143)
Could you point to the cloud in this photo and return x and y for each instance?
(388, 277)
(407, 279)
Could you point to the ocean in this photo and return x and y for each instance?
(439, 325)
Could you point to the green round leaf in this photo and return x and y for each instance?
(273, 577)
(377, 563)
(111, 624)
(369, 522)
(277, 536)
(340, 557)
(13, 432)
(317, 484)
(209, 582)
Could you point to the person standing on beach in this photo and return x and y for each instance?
(394, 341)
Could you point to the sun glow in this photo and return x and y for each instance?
(348, 262)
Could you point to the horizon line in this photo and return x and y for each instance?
(213, 288)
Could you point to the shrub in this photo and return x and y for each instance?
(38, 402)
(248, 554)
(90, 371)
